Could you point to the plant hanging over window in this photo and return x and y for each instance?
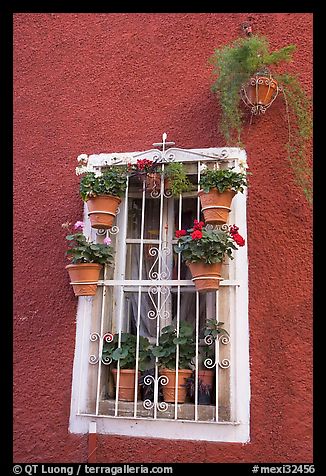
(241, 67)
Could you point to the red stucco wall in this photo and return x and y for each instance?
(90, 83)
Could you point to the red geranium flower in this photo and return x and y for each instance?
(198, 225)
(196, 235)
(180, 233)
(238, 239)
(234, 230)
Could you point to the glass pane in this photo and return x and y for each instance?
(151, 218)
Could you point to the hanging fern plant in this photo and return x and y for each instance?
(235, 64)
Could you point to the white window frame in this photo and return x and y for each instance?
(237, 430)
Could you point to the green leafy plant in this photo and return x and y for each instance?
(179, 182)
(168, 342)
(234, 65)
(125, 353)
(112, 181)
(81, 250)
(207, 245)
(214, 328)
(223, 179)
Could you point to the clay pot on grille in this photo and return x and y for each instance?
(126, 384)
(153, 181)
(84, 278)
(102, 210)
(169, 389)
(216, 206)
(261, 90)
(206, 277)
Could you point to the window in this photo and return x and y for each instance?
(149, 289)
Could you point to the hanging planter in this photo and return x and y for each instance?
(259, 93)
(102, 192)
(102, 210)
(242, 68)
(206, 277)
(219, 186)
(84, 278)
(203, 250)
(87, 259)
(215, 205)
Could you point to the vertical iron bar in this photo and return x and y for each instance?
(100, 348)
(141, 254)
(217, 359)
(123, 263)
(159, 292)
(197, 308)
(178, 314)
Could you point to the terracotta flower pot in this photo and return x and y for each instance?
(126, 384)
(102, 210)
(153, 181)
(84, 278)
(205, 387)
(261, 90)
(205, 276)
(216, 205)
(169, 389)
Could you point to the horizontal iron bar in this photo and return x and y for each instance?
(150, 283)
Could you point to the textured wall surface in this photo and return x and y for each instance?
(90, 83)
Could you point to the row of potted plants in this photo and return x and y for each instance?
(123, 350)
(202, 249)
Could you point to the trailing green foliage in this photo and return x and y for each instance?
(299, 116)
(223, 179)
(168, 342)
(111, 182)
(179, 182)
(83, 251)
(234, 65)
(210, 248)
(125, 353)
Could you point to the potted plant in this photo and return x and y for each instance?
(242, 70)
(218, 187)
(166, 352)
(211, 332)
(176, 177)
(86, 259)
(147, 171)
(206, 362)
(102, 191)
(125, 354)
(203, 251)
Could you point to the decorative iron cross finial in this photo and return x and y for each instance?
(163, 144)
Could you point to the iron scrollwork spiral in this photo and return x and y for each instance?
(149, 404)
(209, 362)
(93, 359)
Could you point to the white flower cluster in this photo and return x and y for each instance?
(243, 165)
(202, 167)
